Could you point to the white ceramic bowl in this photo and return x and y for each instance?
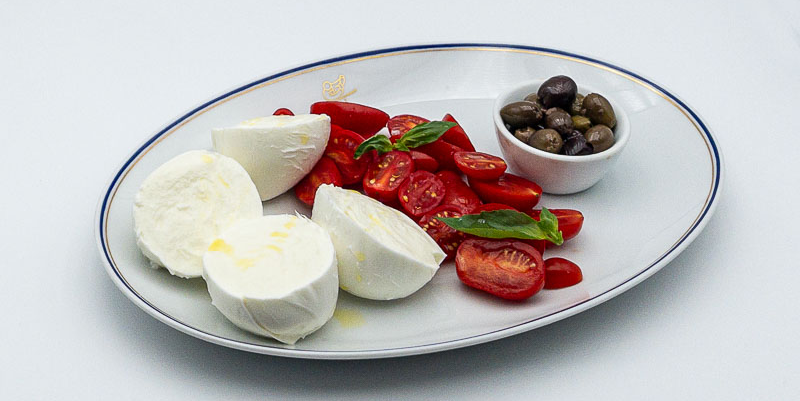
(557, 174)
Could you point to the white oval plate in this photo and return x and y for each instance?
(653, 203)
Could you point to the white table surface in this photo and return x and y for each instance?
(83, 83)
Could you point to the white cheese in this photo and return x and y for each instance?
(187, 202)
(277, 151)
(274, 276)
(382, 254)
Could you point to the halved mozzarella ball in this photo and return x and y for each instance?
(382, 254)
(274, 276)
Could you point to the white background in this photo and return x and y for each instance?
(83, 83)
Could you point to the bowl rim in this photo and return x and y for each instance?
(621, 131)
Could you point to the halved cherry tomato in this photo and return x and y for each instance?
(420, 193)
(341, 147)
(324, 172)
(423, 161)
(508, 269)
(480, 166)
(457, 192)
(539, 244)
(509, 189)
(456, 135)
(283, 112)
(442, 152)
(448, 238)
(385, 174)
(364, 120)
(570, 221)
(560, 273)
(399, 125)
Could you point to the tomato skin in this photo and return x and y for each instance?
(509, 269)
(420, 193)
(561, 273)
(456, 135)
(457, 192)
(364, 120)
(447, 238)
(399, 125)
(443, 153)
(423, 161)
(283, 112)
(570, 221)
(480, 166)
(385, 174)
(324, 172)
(488, 207)
(341, 147)
(510, 190)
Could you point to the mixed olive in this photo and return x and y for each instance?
(558, 119)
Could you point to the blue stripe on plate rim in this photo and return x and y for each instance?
(700, 222)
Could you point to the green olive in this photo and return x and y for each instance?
(581, 123)
(521, 114)
(576, 107)
(548, 140)
(533, 97)
(559, 120)
(599, 110)
(523, 134)
(601, 137)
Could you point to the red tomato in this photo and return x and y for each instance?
(570, 221)
(448, 238)
(456, 135)
(385, 174)
(399, 125)
(324, 172)
(420, 193)
(510, 190)
(423, 161)
(442, 152)
(283, 112)
(457, 192)
(488, 207)
(341, 147)
(480, 166)
(364, 120)
(509, 269)
(560, 273)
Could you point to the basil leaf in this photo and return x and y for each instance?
(423, 134)
(377, 142)
(507, 224)
(548, 222)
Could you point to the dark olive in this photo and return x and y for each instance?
(534, 98)
(558, 91)
(548, 140)
(581, 123)
(599, 110)
(523, 134)
(600, 136)
(576, 107)
(521, 114)
(558, 120)
(575, 145)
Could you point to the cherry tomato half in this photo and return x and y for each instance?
(509, 189)
(508, 269)
(324, 172)
(341, 147)
(283, 112)
(364, 120)
(442, 152)
(480, 166)
(423, 161)
(560, 273)
(457, 192)
(456, 135)
(385, 174)
(420, 193)
(570, 221)
(446, 237)
(399, 125)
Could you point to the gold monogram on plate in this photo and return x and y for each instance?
(335, 90)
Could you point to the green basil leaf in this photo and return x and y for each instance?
(548, 222)
(423, 134)
(507, 224)
(377, 142)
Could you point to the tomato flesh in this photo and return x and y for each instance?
(385, 174)
(509, 189)
(446, 237)
(341, 147)
(456, 135)
(364, 120)
(399, 125)
(561, 273)
(570, 221)
(509, 269)
(457, 193)
(423, 161)
(443, 153)
(324, 172)
(480, 166)
(420, 193)
(283, 112)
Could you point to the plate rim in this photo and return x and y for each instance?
(718, 169)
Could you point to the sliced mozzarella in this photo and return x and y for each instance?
(381, 253)
(274, 276)
(277, 151)
(186, 203)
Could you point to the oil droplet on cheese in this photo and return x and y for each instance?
(358, 278)
(291, 223)
(223, 181)
(245, 263)
(348, 318)
(303, 139)
(208, 159)
(220, 245)
(279, 234)
(360, 257)
(274, 248)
